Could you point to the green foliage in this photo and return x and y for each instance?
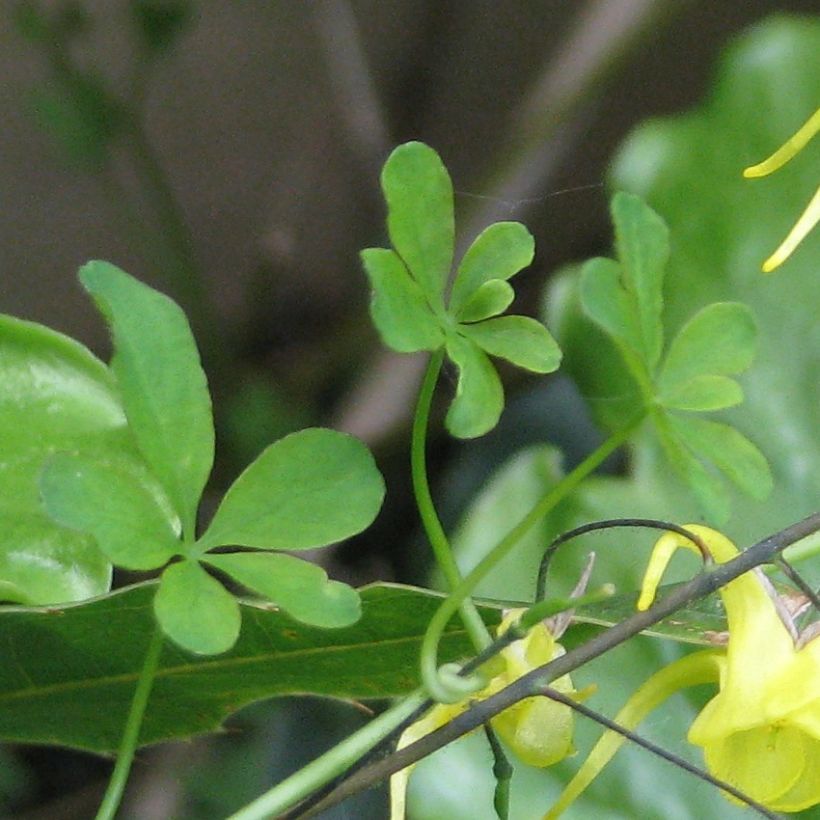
(306, 490)
(409, 284)
(160, 23)
(47, 702)
(625, 300)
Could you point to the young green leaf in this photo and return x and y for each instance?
(479, 397)
(492, 298)
(519, 339)
(306, 490)
(703, 393)
(300, 588)
(195, 610)
(420, 220)
(498, 252)
(399, 308)
(163, 387)
(128, 521)
(720, 339)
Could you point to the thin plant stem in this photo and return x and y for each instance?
(329, 765)
(429, 648)
(475, 626)
(502, 771)
(130, 736)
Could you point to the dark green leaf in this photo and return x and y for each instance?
(306, 490)
(68, 662)
(195, 610)
(399, 307)
(163, 387)
(160, 23)
(519, 339)
(132, 523)
(499, 252)
(300, 588)
(479, 397)
(492, 298)
(419, 198)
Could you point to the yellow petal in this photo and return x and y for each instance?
(697, 668)
(809, 218)
(786, 151)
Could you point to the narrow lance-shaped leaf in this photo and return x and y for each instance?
(163, 387)
(306, 490)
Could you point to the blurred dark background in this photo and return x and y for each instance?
(228, 153)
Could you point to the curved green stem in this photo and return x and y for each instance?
(331, 764)
(429, 647)
(476, 628)
(128, 745)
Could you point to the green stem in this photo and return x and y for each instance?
(475, 626)
(429, 647)
(329, 765)
(128, 744)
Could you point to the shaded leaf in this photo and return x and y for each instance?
(128, 521)
(420, 220)
(498, 252)
(720, 339)
(306, 490)
(69, 661)
(399, 307)
(300, 588)
(160, 23)
(160, 377)
(492, 298)
(521, 340)
(195, 610)
(479, 397)
(703, 393)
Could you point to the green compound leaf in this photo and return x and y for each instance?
(129, 522)
(69, 661)
(56, 395)
(498, 252)
(492, 298)
(300, 588)
(399, 308)
(720, 339)
(703, 393)
(523, 341)
(163, 387)
(642, 242)
(729, 450)
(479, 397)
(195, 610)
(420, 220)
(306, 490)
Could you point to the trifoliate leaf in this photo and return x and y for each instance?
(196, 611)
(642, 242)
(128, 521)
(161, 381)
(479, 397)
(729, 450)
(720, 339)
(498, 252)
(420, 220)
(703, 393)
(300, 588)
(399, 307)
(491, 299)
(306, 490)
(521, 340)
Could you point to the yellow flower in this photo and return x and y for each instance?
(811, 215)
(761, 732)
(537, 729)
